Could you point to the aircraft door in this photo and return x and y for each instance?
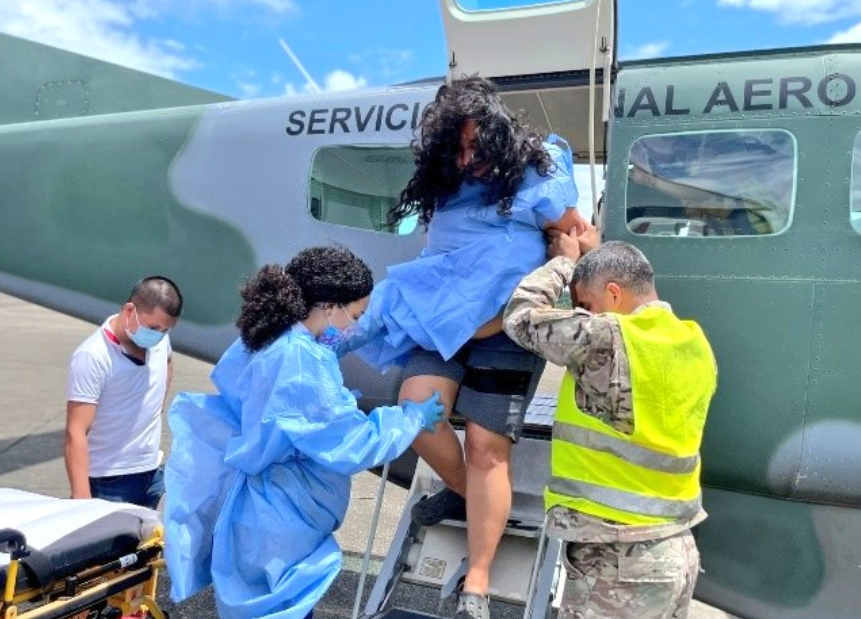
(489, 37)
(552, 60)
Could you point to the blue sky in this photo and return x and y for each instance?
(232, 46)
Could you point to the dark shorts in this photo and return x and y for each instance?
(143, 489)
(497, 380)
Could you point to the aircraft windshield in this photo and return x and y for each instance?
(721, 183)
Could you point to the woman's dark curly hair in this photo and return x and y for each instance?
(280, 296)
(501, 141)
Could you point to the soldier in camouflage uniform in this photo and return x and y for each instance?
(614, 569)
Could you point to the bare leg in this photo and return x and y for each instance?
(488, 501)
(440, 449)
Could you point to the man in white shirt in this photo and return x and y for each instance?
(118, 381)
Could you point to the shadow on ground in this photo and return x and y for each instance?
(18, 452)
(338, 601)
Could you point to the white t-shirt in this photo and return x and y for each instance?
(128, 395)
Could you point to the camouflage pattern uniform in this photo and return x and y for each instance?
(613, 570)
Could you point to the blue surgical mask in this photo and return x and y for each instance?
(332, 337)
(144, 336)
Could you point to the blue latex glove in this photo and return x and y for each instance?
(431, 410)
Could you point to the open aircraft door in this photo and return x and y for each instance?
(551, 59)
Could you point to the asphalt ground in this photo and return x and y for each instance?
(35, 347)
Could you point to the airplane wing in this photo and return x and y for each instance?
(45, 83)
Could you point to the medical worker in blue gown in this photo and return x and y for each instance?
(487, 188)
(259, 474)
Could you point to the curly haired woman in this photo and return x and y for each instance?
(259, 474)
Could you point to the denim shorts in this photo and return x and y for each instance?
(145, 489)
(497, 380)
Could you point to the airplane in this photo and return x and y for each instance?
(738, 175)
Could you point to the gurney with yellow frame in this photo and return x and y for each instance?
(77, 559)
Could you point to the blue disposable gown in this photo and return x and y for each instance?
(259, 476)
(473, 262)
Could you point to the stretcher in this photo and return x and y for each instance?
(77, 559)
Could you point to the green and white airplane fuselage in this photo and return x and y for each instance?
(739, 175)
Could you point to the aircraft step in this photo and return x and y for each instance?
(403, 613)
(527, 566)
(517, 528)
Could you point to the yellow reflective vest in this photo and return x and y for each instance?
(650, 476)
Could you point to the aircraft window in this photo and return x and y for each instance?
(855, 193)
(500, 5)
(720, 183)
(357, 185)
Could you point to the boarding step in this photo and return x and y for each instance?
(527, 565)
(437, 553)
(513, 527)
(403, 613)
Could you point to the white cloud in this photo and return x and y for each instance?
(340, 80)
(276, 6)
(649, 50)
(98, 28)
(249, 90)
(108, 29)
(802, 11)
(336, 81)
(174, 45)
(247, 82)
(150, 8)
(388, 63)
(853, 35)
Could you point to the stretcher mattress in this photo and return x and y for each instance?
(67, 536)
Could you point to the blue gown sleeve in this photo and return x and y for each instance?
(196, 479)
(556, 192)
(546, 198)
(303, 404)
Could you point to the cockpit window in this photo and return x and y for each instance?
(357, 185)
(710, 184)
(855, 193)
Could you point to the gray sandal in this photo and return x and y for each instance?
(472, 606)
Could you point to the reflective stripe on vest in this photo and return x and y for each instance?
(626, 450)
(625, 501)
(652, 475)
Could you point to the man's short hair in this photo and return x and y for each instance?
(619, 262)
(159, 292)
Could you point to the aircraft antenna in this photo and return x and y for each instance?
(544, 111)
(299, 66)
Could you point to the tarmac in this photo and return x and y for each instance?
(36, 346)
